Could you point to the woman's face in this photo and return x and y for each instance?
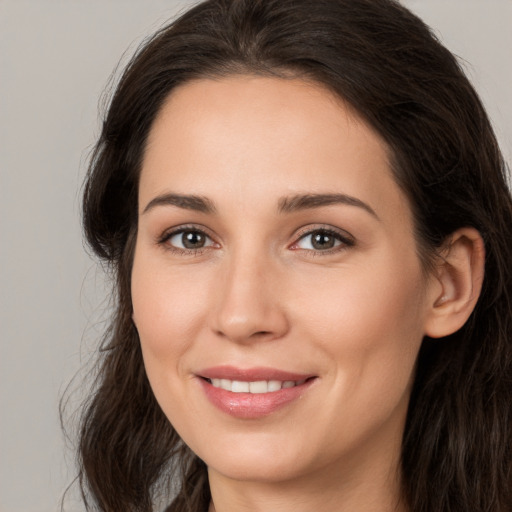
(276, 285)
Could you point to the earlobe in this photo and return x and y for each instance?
(457, 283)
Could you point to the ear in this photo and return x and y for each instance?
(457, 283)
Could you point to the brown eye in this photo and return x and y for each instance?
(323, 240)
(193, 239)
(188, 240)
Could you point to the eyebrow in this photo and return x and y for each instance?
(287, 204)
(308, 201)
(187, 202)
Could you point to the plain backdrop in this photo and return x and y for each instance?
(55, 60)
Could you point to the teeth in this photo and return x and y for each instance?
(259, 386)
(274, 385)
(225, 384)
(238, 386)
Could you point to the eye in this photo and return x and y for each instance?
(187, 239)
(323, 240)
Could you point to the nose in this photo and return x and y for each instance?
(248, 306)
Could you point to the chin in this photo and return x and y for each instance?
(258, 461)
(263, 470)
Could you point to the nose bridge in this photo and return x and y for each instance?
(247, 303)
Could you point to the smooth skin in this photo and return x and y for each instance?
(234, 267)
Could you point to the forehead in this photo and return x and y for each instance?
(261, 137)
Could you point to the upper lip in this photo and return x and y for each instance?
(251, 374)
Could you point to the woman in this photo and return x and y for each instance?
(308, 220)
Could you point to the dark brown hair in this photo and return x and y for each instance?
(384, 61)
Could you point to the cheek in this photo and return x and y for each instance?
(368, 328)
(168, 310)
(362, 304)
(370, 323)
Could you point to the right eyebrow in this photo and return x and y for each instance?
(188, 202)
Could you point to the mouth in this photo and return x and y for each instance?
(253, 393)
(255, 386)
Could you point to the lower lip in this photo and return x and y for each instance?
(252, 405)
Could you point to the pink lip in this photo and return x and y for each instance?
(251, 405)
(250, 374)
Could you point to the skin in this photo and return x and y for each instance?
(259, 294)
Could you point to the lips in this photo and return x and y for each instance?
(252, 393)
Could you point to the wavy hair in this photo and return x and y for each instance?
(386, 63)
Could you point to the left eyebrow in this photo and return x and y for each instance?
(307, 201)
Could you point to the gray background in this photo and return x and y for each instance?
(55, 59)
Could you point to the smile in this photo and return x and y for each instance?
(257, 387)
(253, 393)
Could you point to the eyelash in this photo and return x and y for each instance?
(345, 240)
(164, 241)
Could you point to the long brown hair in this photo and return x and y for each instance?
(384, 61)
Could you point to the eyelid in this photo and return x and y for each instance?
(346, 239)
(164, 238)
